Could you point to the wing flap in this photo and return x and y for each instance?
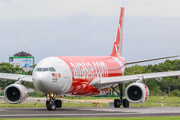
(133, 78)
(161, 74)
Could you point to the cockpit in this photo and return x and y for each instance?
(52, 75)
(45, 69)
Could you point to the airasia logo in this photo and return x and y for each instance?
(147, 92)
(89, 70)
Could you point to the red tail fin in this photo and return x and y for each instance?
(117, 47)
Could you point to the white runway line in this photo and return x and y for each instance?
(140, 110)
(95, 114)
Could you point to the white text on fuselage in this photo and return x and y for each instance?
(89, 70)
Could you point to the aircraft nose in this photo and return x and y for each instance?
(41, 81)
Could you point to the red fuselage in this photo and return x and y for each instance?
(85, 68)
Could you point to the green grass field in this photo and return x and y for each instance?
(131, 118)
(152, 101)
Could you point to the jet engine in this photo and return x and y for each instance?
(15, 94)
(137, 93)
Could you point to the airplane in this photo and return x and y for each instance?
(84, 76)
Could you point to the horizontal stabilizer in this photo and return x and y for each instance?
(139, 61)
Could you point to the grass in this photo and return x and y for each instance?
(22, 105)
(152, 101)
(43, 105)
(128, 118)
(157, 101)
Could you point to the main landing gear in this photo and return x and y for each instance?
(121, 101)
(51, 103)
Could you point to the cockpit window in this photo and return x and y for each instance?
(52, 69)
(45, 69)
(39, 69)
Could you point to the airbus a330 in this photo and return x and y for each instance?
(85, 76)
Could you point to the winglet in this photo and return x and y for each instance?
(117, 47)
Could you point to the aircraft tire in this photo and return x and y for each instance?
(125, 103)
(58, 103)
(117, 103)
(53, 106)
(48, 105)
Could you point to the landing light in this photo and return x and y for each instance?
(52, 95)
(47, 95)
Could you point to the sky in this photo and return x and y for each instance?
(46, 28)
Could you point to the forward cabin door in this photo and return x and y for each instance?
(65, 71)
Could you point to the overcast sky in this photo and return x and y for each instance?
(88, 27)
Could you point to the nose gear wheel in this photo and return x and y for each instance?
(52, 103)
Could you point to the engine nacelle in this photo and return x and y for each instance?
(137, 93)
(15, 94)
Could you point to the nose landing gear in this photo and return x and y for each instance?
(52, 103)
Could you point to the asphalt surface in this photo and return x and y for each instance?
(88, 112)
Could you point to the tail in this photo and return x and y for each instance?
(117, 47)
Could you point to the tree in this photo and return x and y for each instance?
(9, 68)
(154, 86)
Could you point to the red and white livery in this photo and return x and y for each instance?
(85, 75)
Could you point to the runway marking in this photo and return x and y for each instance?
(95, 114)
(136, 111)
(91, 112)
(99, 114)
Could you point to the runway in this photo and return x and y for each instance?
(89, 112)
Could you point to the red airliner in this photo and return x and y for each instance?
(86, 76)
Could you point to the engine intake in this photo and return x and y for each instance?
(137, 93)
(15, 94)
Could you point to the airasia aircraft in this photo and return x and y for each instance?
(84, 75)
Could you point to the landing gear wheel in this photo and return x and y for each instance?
(117, 103)
(121, 101)
(125, 103)
(53, 106)
(50, 105)
(58, 103)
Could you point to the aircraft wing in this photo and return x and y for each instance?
(9, 76)
(134, 78)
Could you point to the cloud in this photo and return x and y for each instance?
(150, 8)
(19, 9)
(88, 27)
(22, 9)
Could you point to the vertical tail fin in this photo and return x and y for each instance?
(117, 47)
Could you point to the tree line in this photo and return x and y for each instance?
(155, 87)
